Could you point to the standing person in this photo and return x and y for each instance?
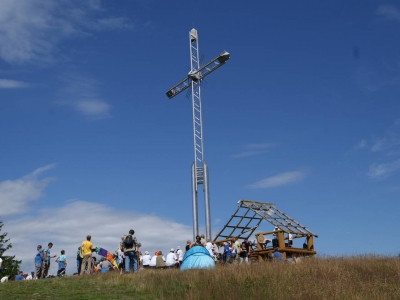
(120, 259)
(203, 240)
(237, 247)
(39, 261)
(140, 260)
(275, 242)
(243, 253)
(62, 263)
(46, 259)
(248, 249)
(179, 252)
(209, 247)
(1, 262)
(290, 240)
(197, 242)
(227, 253)
(79, 260)
(86, 249)
(129, 245)
(233, 252)
(188, 243)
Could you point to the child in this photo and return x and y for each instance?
(62, 263)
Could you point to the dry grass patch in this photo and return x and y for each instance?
(361, 277)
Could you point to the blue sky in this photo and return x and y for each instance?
(305, 115)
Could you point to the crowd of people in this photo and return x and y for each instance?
(128, 257)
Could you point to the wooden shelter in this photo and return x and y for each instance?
(248, 217)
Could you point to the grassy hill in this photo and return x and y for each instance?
(361, 277)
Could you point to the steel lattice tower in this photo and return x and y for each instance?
(199, 166)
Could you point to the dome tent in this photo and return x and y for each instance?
(197, 257)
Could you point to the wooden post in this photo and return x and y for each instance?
(260, 239)
(281, 243)
(281, 239)
(310, 243)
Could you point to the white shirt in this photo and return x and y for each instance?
(171, 259)
(209, 247)
(146, 260)
(180, 253)
(119, 253)
(4, 279)
(215, 248)
(153, 261)
(29, 277)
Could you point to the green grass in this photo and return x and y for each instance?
(362, 277)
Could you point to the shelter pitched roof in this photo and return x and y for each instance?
(250, 214)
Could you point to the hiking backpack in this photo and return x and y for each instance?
(129, 241)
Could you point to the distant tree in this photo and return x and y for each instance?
(10, 265)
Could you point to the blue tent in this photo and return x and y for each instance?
(197, 258)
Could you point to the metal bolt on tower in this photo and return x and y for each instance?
(199, 166)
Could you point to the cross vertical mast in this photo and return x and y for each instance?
(199, 166)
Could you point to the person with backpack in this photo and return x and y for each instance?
(129, 245)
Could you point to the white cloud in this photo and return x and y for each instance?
(382, 171)
(278, 180)
(12, 84)
(31, 30)
(388, 12)
(254, 149)
(15, 195)
(67, 226)
(82, 93)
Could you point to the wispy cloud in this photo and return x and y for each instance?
(374, 79)
(25, 38)
(278, 180)
(15, 195)
(12, 84)
(114, 23)
(382, 171)
(361, 145)
(83, 94)
(390, 142)
(388, 12)
(254, 149)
